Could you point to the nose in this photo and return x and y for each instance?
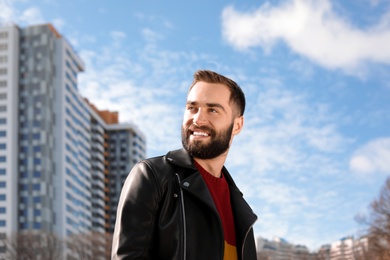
(199, 118)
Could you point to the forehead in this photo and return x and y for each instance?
(209, 92)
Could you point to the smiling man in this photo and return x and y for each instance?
(185, 205)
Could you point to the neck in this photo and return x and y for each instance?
(213, 166)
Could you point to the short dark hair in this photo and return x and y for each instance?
(237, 96)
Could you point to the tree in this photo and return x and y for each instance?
(32, 245)
(378, 225)
(90, 246)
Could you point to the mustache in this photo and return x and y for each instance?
(194, 127)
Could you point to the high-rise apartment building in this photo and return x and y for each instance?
(62, 161)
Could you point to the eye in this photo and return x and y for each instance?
(191, 108)
(212, 110)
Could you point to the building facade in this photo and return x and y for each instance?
(61, 162)
(280, 249)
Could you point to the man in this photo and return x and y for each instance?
(185, 205)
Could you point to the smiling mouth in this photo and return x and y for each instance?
(202, 134)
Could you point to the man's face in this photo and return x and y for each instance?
(208, 123)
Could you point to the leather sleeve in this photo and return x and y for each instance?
(136, 215)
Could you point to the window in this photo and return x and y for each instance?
(3, 159)
(2, 184)
(37, 186)
(3, 133)
(37, 225)
(3, 35)
(2, 197)
(3, 146)
(24, 225)
(3, 121)
(23, 161)
(36, 174)
(23, 200)
(2, 210)
(37, 136)
(37, 161)
(3, 71)
(37, 212)
(2, 171)
(3, 84)
(3, 47)
(2, 223)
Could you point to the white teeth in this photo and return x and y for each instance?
(200, 134)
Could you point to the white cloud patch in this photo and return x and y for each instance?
(372, 158)
(312, 29)
(29, 16)
(150, 35)
(7, 12)
(32, 16)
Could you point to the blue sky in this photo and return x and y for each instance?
(315, 148)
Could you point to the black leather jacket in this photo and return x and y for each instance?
(165, 211)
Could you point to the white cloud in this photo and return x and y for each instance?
(7, 12)
(372, 158)
(289, 133)
(151, 36)
(29, 16)
(32, 16)
(312, 29)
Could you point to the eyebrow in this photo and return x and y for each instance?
(195, 103)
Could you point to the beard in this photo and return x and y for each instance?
(218, 144)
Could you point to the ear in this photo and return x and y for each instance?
(238, 124)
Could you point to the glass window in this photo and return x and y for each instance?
(37, 186)
(24, 225)
(37, 161)
(37, 225)
(2, 210)
(2, 171)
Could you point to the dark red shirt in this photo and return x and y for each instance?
(219, 190)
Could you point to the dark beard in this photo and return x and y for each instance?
(218, 144)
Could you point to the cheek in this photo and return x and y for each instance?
(187, 119)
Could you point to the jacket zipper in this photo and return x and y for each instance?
(184, 219)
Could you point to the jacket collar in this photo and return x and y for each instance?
(181, 158)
